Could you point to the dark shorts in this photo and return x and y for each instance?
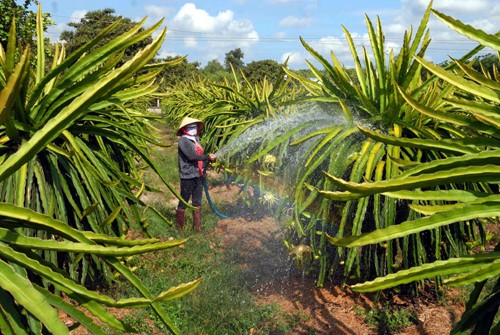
(191, 189)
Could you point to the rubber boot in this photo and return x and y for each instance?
(197, 220)
(180, 218)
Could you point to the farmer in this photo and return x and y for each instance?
(192, 161)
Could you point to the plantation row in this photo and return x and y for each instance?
(394, 176)
(393, 171)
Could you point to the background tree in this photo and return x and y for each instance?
(214, 71)
(92, 24)
(182, 70)
(25, 21)
(213, 66)
(234, 58)
(257, 70)
(306, 73)
(488, 62)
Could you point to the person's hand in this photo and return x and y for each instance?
(211, 157)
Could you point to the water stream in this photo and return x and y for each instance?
(256, 137)
(275, 263)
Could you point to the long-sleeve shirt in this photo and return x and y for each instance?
(188, 159)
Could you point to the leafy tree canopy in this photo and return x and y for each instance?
(213, 66)
(487, 61)
(234, 58)
(172, 75)
(214, 71)
(95, 21)
(257, 70)
(25, 21)
(306, 73)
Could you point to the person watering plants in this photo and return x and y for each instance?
(192, 161)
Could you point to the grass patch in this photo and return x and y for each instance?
(222, 304)
(388, 320)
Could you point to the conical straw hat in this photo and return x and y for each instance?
(188, 120)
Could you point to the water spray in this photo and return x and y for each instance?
(252, 142)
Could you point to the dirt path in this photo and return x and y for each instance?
(328, 310)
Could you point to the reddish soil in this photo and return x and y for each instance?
(328, 310)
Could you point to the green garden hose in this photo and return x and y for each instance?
(205, 186)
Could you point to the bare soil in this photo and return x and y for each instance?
(331, 309)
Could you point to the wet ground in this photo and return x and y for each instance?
(328, 310)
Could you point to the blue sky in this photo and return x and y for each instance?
(270, 29)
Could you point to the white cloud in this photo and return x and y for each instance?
(213, 56)
(298, 22)
(157, 11)
(281, 34)
(155, 14)
(190, 42)
(55, 31)
(165, 54)
(485, 24)
(295, 59)
(395, 29)
(389, 46)
(340, 47)
(77, 15)
(214, 34)
(459, 6)
(482, 14)
(198, 20)
(218, 33)
(331, 43)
